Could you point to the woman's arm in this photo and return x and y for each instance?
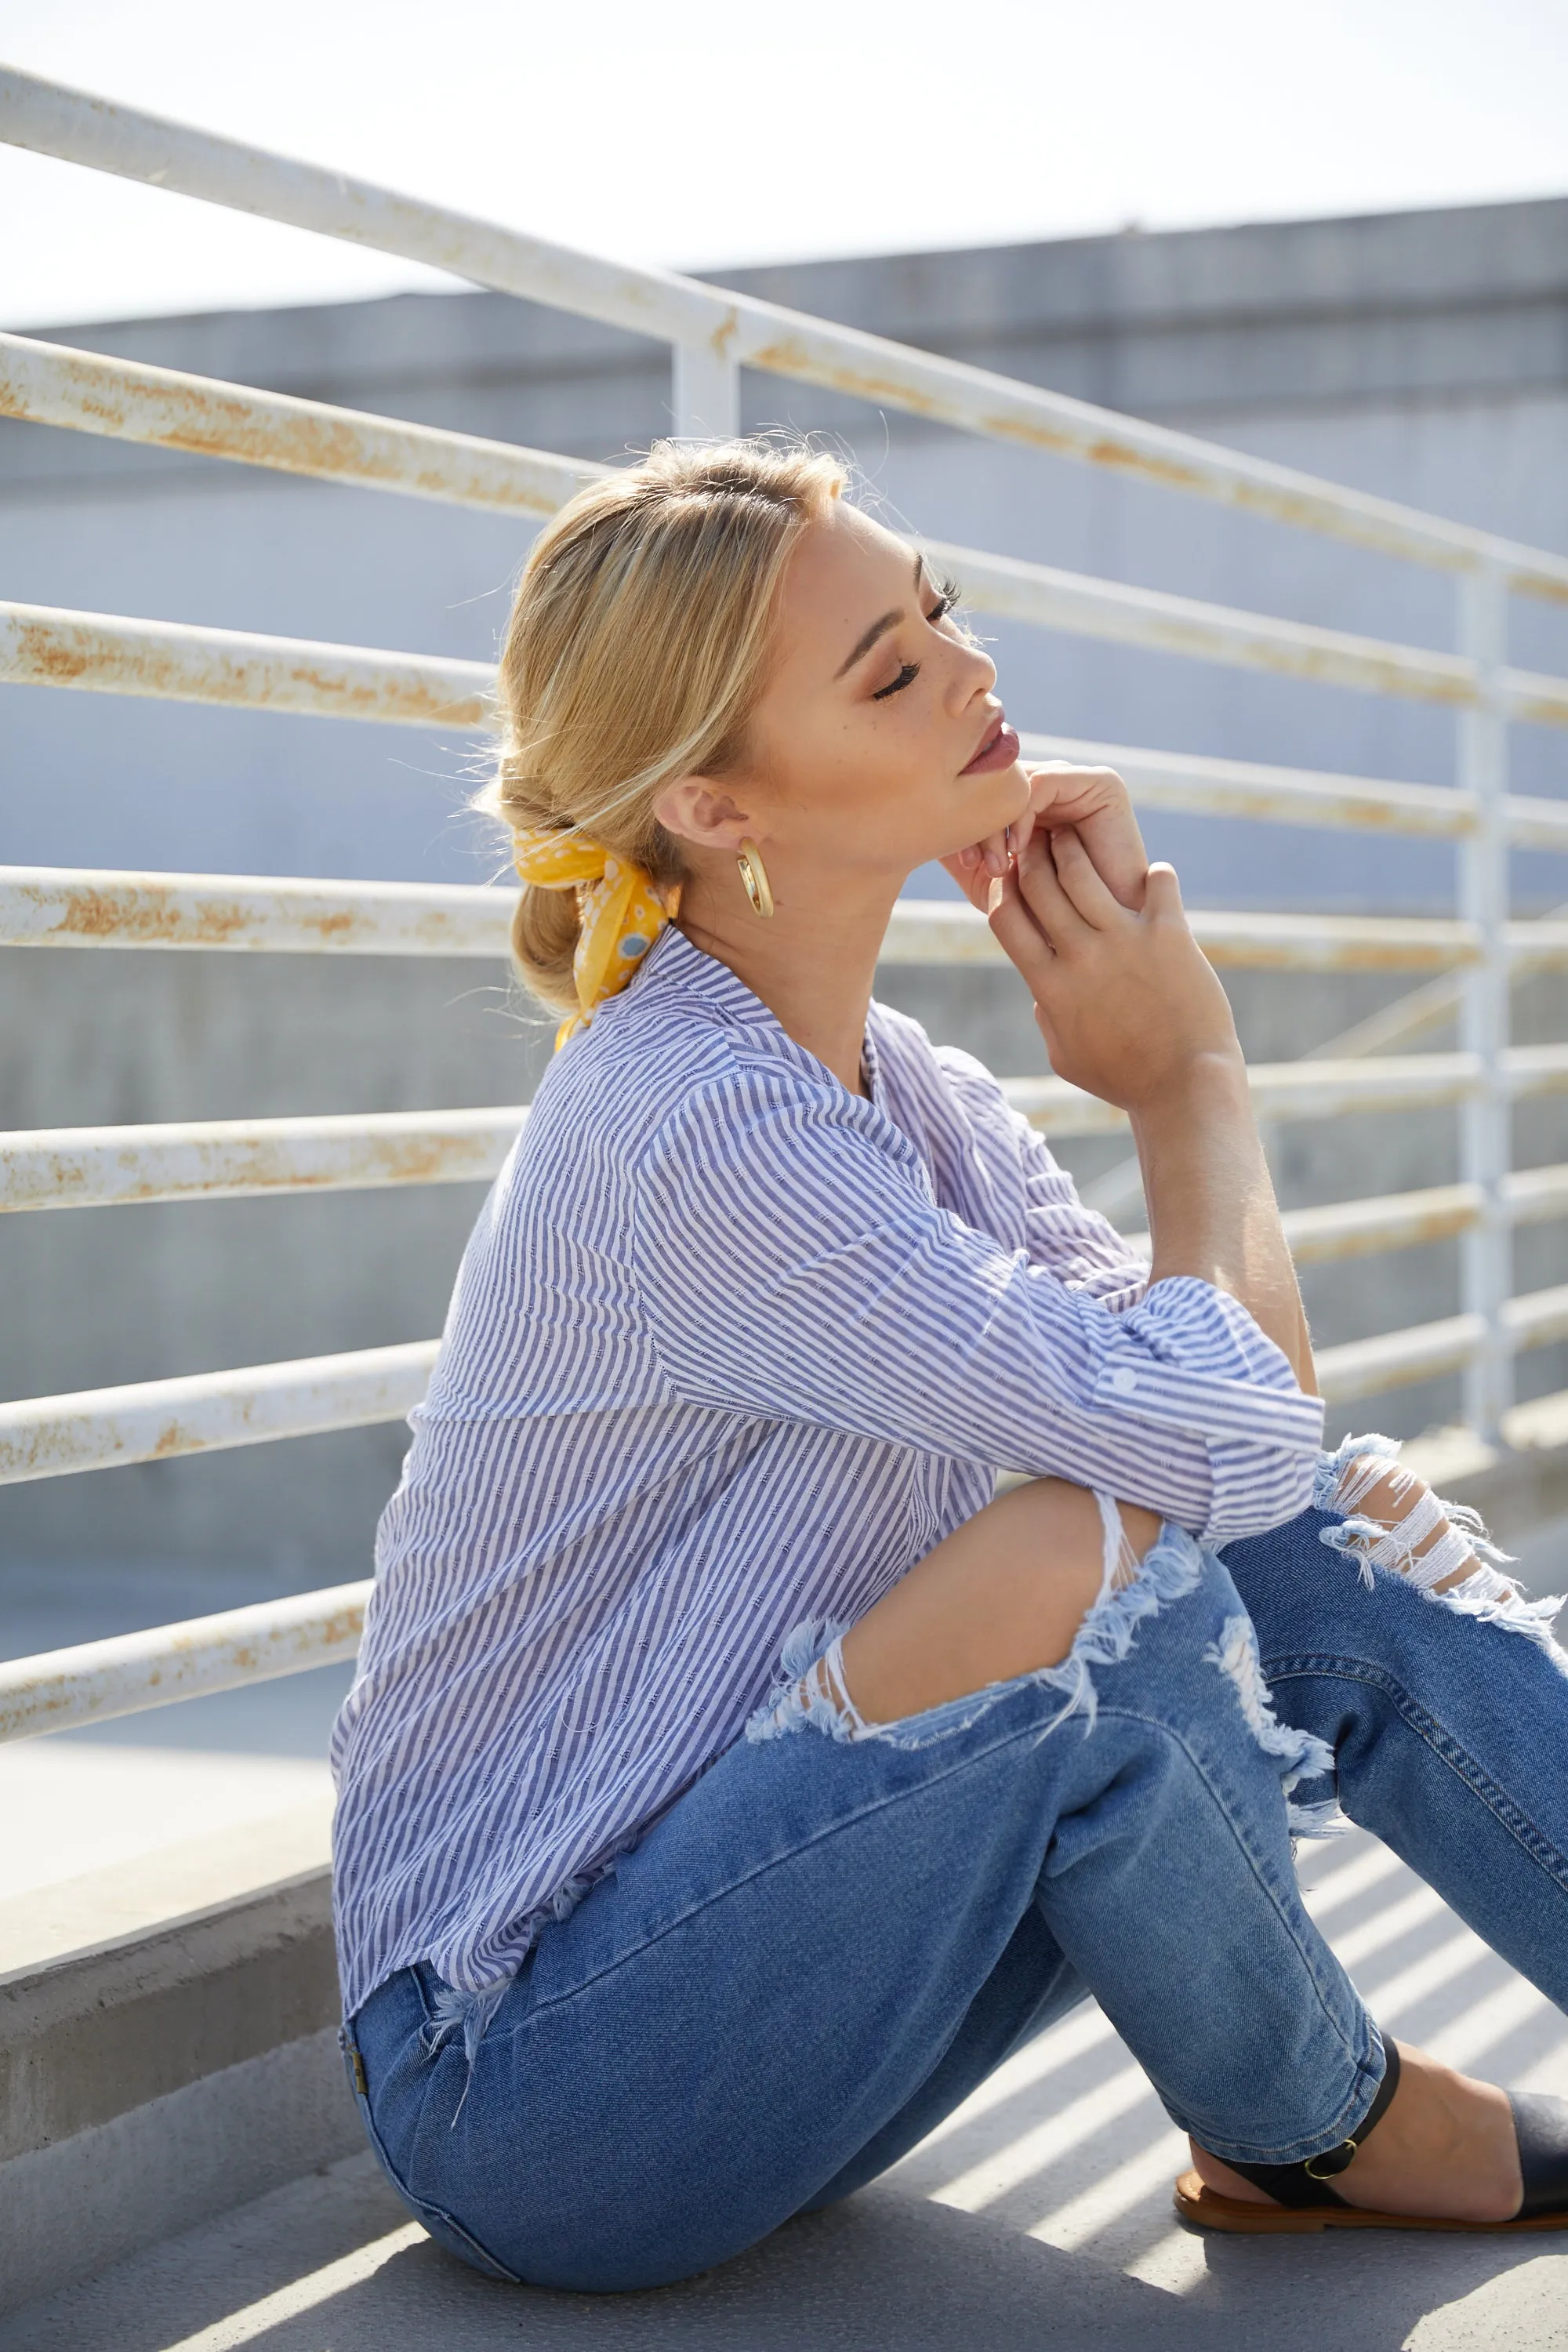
(1131, 1010)
(1212, 1209)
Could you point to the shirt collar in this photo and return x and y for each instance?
(675, 967)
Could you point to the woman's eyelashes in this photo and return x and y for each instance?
(947, 597)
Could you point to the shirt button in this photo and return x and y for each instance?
(1125, 1383)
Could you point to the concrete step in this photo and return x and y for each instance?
(167, 2045)
(1040, 2213)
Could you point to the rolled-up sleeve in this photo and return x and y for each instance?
(792, 1262)
(1079, 1246)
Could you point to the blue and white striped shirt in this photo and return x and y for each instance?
(732, 1348)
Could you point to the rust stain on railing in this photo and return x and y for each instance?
(60, 907)
(124, 915)
(69, 1167)
(112, 654)
(199, 416)
(101, 1429)
(153, 919)
(1396, 1221)
(130, 1673)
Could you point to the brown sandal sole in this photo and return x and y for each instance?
(1205, 2208)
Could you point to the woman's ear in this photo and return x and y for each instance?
(698, 809)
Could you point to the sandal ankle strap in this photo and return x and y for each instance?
(1306, 2183)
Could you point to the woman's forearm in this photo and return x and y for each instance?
(1212, 1211)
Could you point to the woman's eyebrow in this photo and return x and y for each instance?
(879, 627)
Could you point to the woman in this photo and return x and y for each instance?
(730, 1782)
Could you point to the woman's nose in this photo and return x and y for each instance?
(974, 673)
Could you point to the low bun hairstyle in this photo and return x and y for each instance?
(634, 655)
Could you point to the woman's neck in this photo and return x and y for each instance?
(811, 962)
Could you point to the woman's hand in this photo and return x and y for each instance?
(1127, 1002)
(1131, 1011)
(1094, 800)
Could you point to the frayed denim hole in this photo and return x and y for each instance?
(456, 2012)
(1324, 1819)
(796, 1699)
(1299, 1755)
(1487, 1594)
(1172, 1567)
(1332, 1468)
(1510, 1609)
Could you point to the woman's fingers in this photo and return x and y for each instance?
(1047, 900)
(1083, 881)
(967, 870)
(1163, 895)
(1017, 933)
(1061, 794)
(1095, 801)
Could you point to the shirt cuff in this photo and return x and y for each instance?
(1220, 1410)
(1241, 1399)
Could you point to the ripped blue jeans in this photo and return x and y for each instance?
(828, 1941)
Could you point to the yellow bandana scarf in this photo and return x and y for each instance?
(620, 913)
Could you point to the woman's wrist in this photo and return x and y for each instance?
(1209, 1082)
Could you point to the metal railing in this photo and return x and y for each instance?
(1478, 954)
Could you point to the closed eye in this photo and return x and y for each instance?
(948, 594)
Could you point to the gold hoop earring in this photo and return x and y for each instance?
(754, 875)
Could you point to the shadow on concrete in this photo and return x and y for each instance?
(311, 2268)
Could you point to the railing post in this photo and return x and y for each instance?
(1486, 1121)
(707, 393)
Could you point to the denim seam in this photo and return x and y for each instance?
(1311, 1665)
(1365, 2087)
(1331, 2133)
(420, 2206)
(1131, 1715)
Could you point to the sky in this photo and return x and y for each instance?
(701, 133)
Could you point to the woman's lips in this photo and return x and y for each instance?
(999, 750)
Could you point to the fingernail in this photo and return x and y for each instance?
(996, 862)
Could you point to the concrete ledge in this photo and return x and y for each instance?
(74, 2207)
(86, 2039)
(159, 2076)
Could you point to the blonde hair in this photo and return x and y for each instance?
(634, 653)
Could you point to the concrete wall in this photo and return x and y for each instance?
(1422, 355)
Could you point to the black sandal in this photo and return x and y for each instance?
(1304, 2201)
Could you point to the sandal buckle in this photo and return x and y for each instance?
(1332, 2160)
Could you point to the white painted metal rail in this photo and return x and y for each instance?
(208, 1413)
(42, 906)
(1479, 953)
(718, 333)
(61, 1689)
(236, 1159)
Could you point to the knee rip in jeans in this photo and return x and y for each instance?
(1299, 1755)
(812, 1692)
(1413, 1533)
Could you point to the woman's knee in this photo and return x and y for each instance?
(1005, 1595)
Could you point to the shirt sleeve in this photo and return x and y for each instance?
(792, 1263)
(1077, 1245)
